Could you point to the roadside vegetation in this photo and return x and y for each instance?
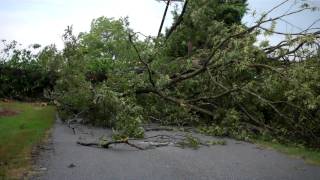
(207, 70)
(311, 156)
(20, 131)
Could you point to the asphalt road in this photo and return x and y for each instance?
(66, 160)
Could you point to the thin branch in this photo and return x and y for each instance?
(277, 6)
(107, 145)
(281, 44)
(314, 22)
(293, 34)
(142, 61)
(267, 102)
(146, 36)
(282, 16)
(259, 122)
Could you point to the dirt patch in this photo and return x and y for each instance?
(6, 100)
(8, 112)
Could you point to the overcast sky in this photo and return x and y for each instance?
(43, 21)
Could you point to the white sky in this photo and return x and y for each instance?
(44, 21)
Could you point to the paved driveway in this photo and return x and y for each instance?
(236, 160)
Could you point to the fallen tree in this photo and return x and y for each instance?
(206, 71)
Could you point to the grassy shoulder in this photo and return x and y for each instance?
(309, 155)
(19, 133)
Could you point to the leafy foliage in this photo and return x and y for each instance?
(24, 75)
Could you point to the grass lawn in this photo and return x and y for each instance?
(20, 133)
(309, 155)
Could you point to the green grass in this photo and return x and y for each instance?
(20, 133)
(309, 155)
